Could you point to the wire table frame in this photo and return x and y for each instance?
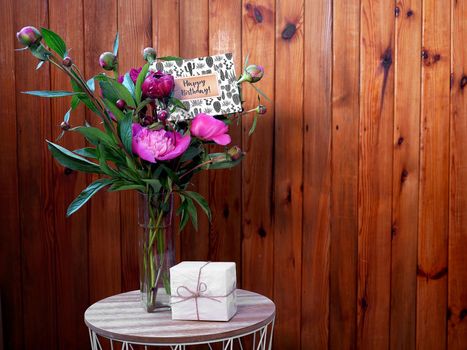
(121, 322)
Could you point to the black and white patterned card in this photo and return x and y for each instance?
(204, 85)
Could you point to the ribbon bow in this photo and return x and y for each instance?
(201, 288)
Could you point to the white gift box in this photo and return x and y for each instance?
(203, 291)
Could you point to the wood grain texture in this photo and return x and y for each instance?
(316, 174)
(225, 234)
(71, 237)
(35, 184)
(348, 210)
(258, 33)
(131, 323)
(194, 42)
(375, 163)
(405, 174)
(434, 177)
(104, 208)
(457, 277)
(10, 234)
(135, 28)
(288, 172)
(344, 177)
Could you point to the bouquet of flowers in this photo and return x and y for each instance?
(138, 143)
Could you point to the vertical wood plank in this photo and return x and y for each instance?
(104, 208)
(10, 234)
(434, 177)
(71, 234)
(35, 183)
(194, 42)
(316, 174)
(225, 234)
(135, 30)
(375, 163)
(457, 277)
(258, 33)
(405, 174)
(344, 177)
(166, 41)
(288, 185)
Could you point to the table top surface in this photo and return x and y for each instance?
(121, 317)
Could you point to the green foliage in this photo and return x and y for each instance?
(253, 125)
(51, 94)
(125, 131)
(128, 83)
(139, 82)
(87, 193)
(170, 58)
(54, 41)
(113, 90)
(116, 43)
(72, 161)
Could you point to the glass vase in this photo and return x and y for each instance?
(156, 249)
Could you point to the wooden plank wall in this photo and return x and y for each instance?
(350, 210)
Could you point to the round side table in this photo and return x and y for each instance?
(121, 320)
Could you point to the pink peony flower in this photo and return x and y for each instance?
(154, 145)
(158, 85)
(209, 128)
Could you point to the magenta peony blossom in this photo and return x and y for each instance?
(154, 145)
(134, 72)
(158, 85)
(209, 128)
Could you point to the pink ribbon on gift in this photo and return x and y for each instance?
(201, 287)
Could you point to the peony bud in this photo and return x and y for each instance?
(29, 36)
(162, 115)
(252, 74)
(158, 85)
(64, 126)
(235, 153)
(67, 62)
(121, 104)
(261, 109)
(149, 54)
(108, 61)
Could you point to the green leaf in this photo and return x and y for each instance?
(54, 41)
(139, 82)
(116, 42)
(170, 58)
(177, 103)
(202, 202)
(39, 65)
(125, 131)
(128, 83)
(183, 218)
(113, 91)
(91, 84)
(47, 93)
(114, 109)
(222, 161)
(154, 183)
(125, 187)
(94, 135)
(87, 193)
(253, 125)
(89, 152)
(102, 157)
(66, 117)
(72, 161)
(260, 92)
(190, 207)
(190, 153)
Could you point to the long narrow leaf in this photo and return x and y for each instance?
(126, 132)
(71, 160)
(202, 202)
(87, 193)
(139, 82)
(47, 93)
(116, 43)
